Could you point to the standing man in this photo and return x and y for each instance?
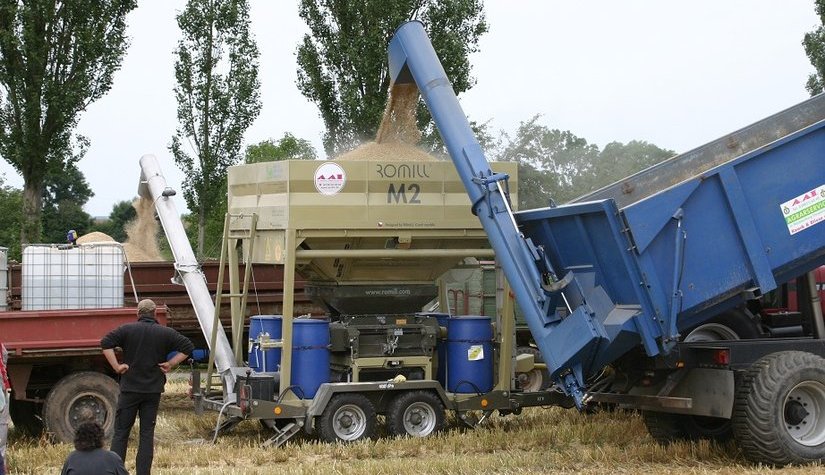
(145, 345)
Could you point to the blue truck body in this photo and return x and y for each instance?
(599, 277)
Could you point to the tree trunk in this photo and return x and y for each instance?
(201, 230)
(32, 205)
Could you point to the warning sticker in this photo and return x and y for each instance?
(329, 178)
(475, 353)
(805, 210)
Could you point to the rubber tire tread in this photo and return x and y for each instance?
(324, 423)
(56, 401)
(664, 427)
(396, 408)
(759, 399)
(738, 320)
(695, 429)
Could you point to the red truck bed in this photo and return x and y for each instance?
(53, 332)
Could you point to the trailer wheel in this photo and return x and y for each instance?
(26, 417)
(535, 379)
(348, 417)
(78, 398)
(415, 413)
(779, 409)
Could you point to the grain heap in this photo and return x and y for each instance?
(398, 133)
(141, 244)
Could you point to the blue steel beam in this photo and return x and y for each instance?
(412, 59)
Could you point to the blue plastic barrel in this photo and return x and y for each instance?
(310, 355)
(440, 347)
(261, 360)
(469, 355)
(200, 355)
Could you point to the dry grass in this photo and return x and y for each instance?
(551, 440)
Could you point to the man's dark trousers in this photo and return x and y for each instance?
(129, 404)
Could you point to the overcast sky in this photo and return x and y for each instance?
(676, 74)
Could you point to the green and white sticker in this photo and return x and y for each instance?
(805, 210)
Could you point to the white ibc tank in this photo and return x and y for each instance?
(61, 277)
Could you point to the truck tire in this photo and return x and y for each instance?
(779, 409)
(415, 413)
(665, 428)
(736, 324)
(78, 398)
(26, 417)
(348, 417)
(535, 379)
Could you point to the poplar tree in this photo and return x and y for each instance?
(342, 62)
(56, 58)
(218, 98)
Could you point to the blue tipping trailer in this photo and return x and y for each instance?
(634, 264)
(682, 254)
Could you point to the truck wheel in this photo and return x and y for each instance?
(415, 413)
(664, 427)
(779, 409)
(26, 417)
(535, 379)
(735, 324)
(348, 417)
(78, 398)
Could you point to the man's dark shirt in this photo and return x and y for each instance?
(93, 462)
(145, 343)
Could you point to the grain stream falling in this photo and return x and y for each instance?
(398, 133)
(142, 234)
(142, 231)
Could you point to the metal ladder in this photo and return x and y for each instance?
(238, 312)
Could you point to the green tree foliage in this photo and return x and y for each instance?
(288, 147)
(56, 57)
(618, 160)
(814, 43)
(549, 160)
(213, 231)
(11, 202)
(218, 99)
(64, 195)
(342, 63)
(559, 166)
(122, 212)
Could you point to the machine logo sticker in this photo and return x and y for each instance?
(805, 210)
(330, 178)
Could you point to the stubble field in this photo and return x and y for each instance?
(540, 440)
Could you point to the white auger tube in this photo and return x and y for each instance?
(153, 186)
